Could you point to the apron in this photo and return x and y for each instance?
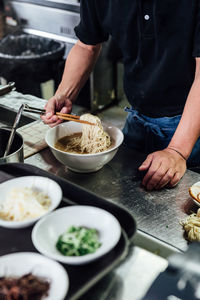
(147, 135)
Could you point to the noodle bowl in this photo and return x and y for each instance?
(79, 162)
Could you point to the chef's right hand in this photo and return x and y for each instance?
(56, 104)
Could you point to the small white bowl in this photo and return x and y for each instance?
(47, 231)
(82, 163)
(22, 263)
(194, 190)
(46, 185)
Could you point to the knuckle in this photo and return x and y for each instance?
(160, 174)
(170, 176)
(148, 157)
(150, 187)
(173, 183)
(171, 172)
(154, 181)
(152, 171)
(175, 180)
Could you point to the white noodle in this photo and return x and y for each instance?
(192, 226)
(24, 204)
(93, 140)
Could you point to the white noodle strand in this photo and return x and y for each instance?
(93, 140)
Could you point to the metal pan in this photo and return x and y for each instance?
(16, 151)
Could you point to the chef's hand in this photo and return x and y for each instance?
(164, 167)
(58, 103)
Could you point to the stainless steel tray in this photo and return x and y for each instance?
(81, 277)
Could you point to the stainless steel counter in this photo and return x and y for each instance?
(157, 213)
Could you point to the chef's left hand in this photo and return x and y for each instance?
(164, 167)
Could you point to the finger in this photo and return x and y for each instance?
(64, 110)
(56, 123)
(168, 176)
(175, 179)
(50, 107)
(64, 107)
(49, 121)
(48, 115)
(69, 105)
(156, 177)
(146, 164)
(155, 165)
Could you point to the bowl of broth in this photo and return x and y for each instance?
(59, 137)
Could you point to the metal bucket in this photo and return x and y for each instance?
(16, 152)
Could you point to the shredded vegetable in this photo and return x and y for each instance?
(24, 203)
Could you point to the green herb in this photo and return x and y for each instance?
(78, 241)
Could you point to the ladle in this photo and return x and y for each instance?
(14, 128)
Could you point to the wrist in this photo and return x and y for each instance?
(185, 148)
(174, 149)
(67, 93)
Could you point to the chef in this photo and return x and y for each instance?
(160, 46)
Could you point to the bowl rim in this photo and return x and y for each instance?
(46, 260)
(194, 200)
(86, 155)
(75, 260)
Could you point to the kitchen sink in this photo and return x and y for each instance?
(7, 117)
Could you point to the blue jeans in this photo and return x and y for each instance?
(147, 135)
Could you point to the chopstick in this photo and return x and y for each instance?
(67, 117)
(74, 119)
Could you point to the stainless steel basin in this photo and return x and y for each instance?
(16, 153)
(7, 117)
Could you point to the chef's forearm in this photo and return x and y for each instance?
(188, 129)
(79, 64)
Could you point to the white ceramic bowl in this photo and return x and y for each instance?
(47, 231)
(46, 185)
(194, 192)
(82, 163)
(22, 263)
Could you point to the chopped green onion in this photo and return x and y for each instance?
(78, 241)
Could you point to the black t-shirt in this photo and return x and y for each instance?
(158, 39)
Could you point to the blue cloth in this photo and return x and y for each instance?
(147, 135)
